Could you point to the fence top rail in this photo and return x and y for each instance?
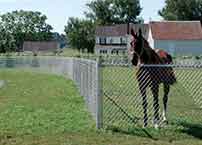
(86, 60)
(154, 65)
(170, 65)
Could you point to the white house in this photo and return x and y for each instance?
(176, 37)
(115, 39)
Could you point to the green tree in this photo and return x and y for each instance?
(80, 34)
(113, 11)
(182, 10)
(26, 25)
(7, 41)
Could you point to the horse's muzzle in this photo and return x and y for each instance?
(135, 59)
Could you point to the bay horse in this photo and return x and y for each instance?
(154, 68)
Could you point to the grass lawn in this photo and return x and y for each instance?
(42, 109)
(184, 106)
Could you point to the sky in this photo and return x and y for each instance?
(58, 11)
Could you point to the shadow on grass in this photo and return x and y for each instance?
(135, 131)
(194, 130)
(178, 130)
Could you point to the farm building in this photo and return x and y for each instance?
(176, 37)
(114, 39)
(40, 46)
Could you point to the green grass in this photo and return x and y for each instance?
(42, 109)
(185, 102)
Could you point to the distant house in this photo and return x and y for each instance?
(40, 46)
(115, 39)
(176, 37)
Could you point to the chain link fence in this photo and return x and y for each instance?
(112, 92)
(124, 103)
(85, 74)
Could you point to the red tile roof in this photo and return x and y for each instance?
(120, 30)
(115, 30)
(176, 30)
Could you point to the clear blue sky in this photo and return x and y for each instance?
(58, 11)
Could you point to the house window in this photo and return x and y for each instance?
(122, 40)
(103, 51)
(103, 40)
(115, 52)
(111, 41)
(123, 52)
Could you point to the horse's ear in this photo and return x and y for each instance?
(140, 33)
(133, 33)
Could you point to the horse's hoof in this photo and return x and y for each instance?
(156, 126)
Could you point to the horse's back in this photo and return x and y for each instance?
(164, 56)
(166, 74)
(158, 74)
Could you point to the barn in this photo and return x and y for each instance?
(180, 38)
(40, 46)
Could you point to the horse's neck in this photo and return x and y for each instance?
(149, 56)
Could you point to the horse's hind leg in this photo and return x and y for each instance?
(155, 91)
(165, 101)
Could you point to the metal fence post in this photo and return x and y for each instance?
(99, 95)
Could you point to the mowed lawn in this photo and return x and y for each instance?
(123, 110)
(40, 104)
(43, 109)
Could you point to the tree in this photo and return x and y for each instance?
(80, 34)
(26, 25)
(113, 11)
(182, 10)
(7, 41)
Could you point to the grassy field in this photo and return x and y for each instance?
(185, 104)
(41, 109)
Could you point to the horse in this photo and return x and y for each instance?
(154, 68)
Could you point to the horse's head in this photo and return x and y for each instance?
(136, 46)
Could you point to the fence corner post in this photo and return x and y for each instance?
(99, 96)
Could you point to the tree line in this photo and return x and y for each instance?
(19, 26)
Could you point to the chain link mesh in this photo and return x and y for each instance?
(82, 71)
(118, 85)
(123, 100)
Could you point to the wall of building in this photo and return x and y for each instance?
(113, 45)
(110, 49)
(35, 46)
(112, 39)
(180, 47)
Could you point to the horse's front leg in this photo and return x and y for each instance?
(155, 91)
(144, 103)
(165, 101)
